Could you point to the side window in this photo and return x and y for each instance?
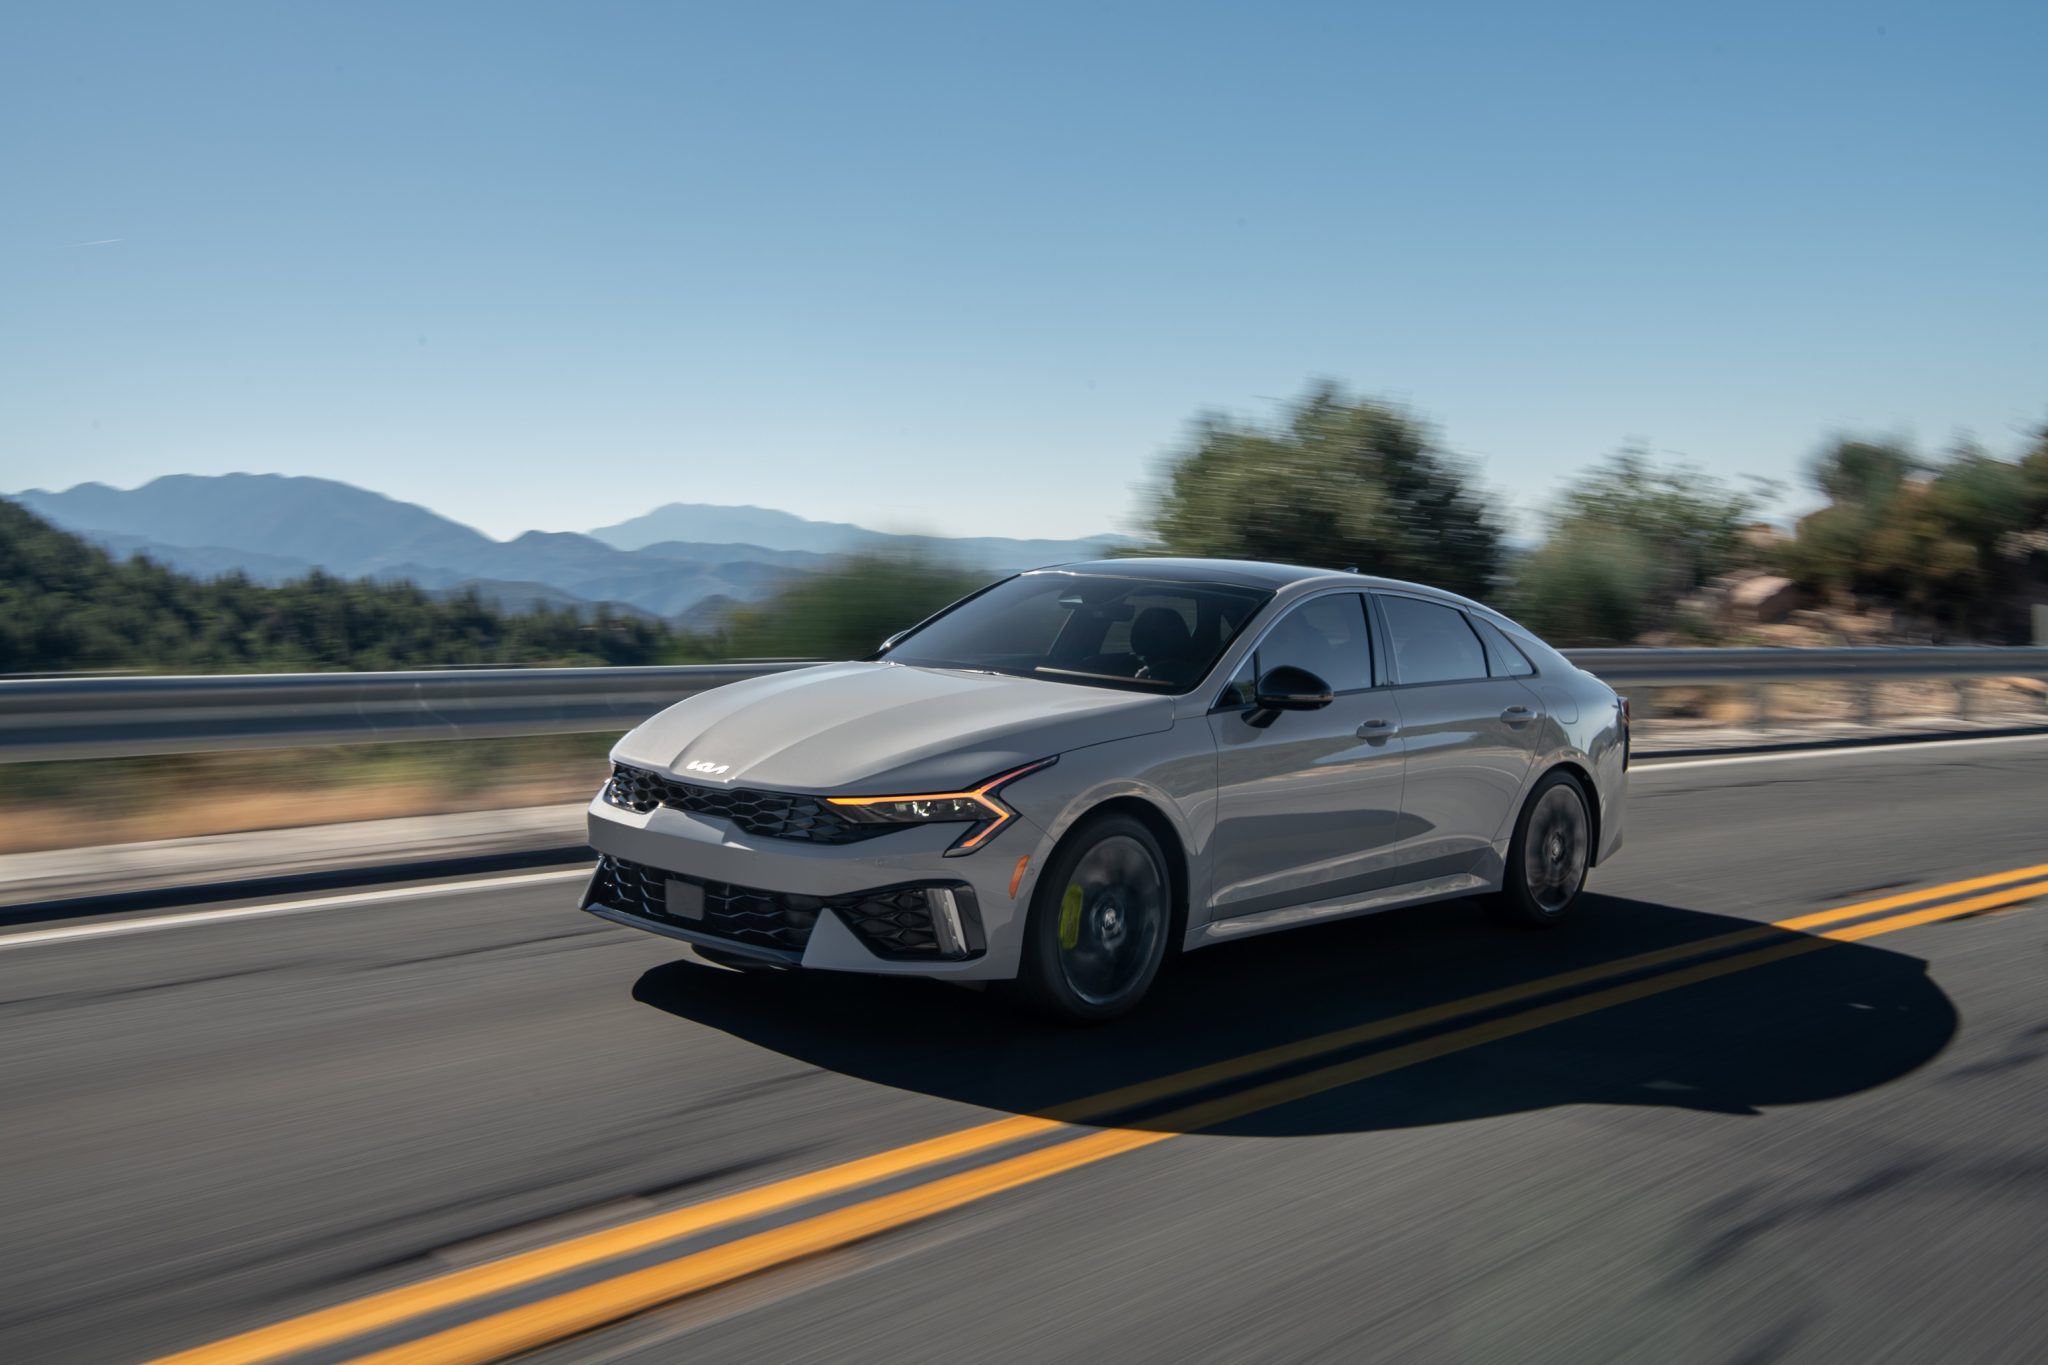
(1432, 643)
(1502, 655)
(1327, 636)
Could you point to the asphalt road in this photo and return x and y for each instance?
(1736, 1152)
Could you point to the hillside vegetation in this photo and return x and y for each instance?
(66, 605)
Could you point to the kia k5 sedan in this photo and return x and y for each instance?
(1062, 778)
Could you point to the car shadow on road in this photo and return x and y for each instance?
(1811, 1027)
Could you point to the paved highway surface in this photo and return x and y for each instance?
(463, 1121)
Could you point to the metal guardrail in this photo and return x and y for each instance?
(73, 718)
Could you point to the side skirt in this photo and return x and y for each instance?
(1318, 912)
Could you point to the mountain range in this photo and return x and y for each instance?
(684, 562)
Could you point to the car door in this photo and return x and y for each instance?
(1307, 801)
(1470, 733)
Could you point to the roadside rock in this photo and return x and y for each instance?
(1764, 599)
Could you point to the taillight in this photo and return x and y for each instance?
(1627, 716)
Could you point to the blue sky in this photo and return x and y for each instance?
(972, 268)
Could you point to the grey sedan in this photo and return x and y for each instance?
(1059, 780)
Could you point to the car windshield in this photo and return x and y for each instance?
(1095, 630)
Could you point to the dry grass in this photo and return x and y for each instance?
(80, 804)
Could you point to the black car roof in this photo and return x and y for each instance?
(1244, 573)
(1253, 573)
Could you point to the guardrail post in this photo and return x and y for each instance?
(1866, 703)
(1966, 699)
(1760, 697)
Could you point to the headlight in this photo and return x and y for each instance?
(906, 809)
(978, 806)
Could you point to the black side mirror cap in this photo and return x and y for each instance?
(1287, 688)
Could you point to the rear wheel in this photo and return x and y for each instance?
(1098, 925)
(1548, 856)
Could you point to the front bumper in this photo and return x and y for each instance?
(855, 907)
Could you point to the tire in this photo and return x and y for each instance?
(1549, 855)
(1097, 930)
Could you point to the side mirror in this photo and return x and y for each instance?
(1287, 688)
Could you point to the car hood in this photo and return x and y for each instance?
(881, 728)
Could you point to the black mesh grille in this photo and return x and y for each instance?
(895, 922)
(772, 815)
(742, 914)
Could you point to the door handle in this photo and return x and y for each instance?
(1518, 715)
(1377, 729)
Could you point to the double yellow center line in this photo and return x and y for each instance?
(531, 1325)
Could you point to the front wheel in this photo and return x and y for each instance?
(1548, 856)
(1098, 924)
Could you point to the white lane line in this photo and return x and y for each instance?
(1647, 764)
(151, 923)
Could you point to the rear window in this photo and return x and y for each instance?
(1092, 630)
(1503, 655)
(1431, 643)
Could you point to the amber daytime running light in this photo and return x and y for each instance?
(978, 805)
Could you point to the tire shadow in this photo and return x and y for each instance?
(1812, 1027)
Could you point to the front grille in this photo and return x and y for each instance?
(894, 922)
(772, 815)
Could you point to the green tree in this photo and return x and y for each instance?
(1953, 540)
(847, 611)
(2034, 468)
(1336, 482)
(1586, 587)
(1625, 544)
(1862, 473)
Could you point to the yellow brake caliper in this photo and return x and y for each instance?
(1070, 918)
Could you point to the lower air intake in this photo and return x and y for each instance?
(892, 922)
